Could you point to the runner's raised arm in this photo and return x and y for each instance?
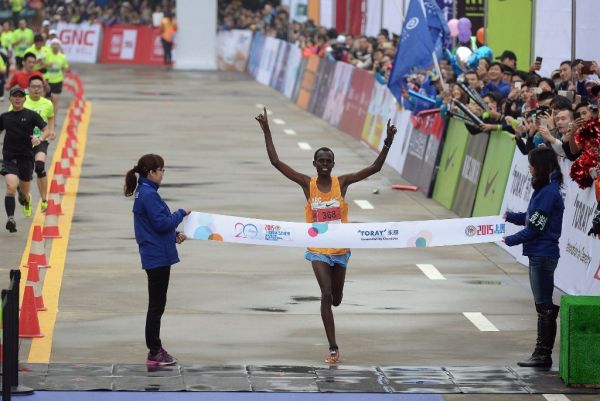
(290, 173)
(347, 179)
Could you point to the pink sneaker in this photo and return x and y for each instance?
(162, 358)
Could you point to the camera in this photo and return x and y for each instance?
(538, 112)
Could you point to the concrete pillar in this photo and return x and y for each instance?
(196, 40)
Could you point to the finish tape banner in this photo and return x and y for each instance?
(407, 234)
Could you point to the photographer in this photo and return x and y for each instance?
(581, 115)
(566, 77)
(527, 132)
(513, 106)
(340, 50)
(560, 137)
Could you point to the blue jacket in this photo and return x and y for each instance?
(502, 88)
(155, 226)
(543, 222)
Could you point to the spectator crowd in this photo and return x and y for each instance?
(109, 12)
(498, 93)
(374, 54)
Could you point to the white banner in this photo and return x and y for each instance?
(80, 42)
(578, 271)
(399, 149)
(516, 199)
(292, 71)
(409, 234)
(337, 93)
(579, 252)
(268, 58)
(233, 48)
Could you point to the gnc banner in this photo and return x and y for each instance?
(131, 44)
(80, 42)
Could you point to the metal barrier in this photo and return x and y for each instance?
(10, 345)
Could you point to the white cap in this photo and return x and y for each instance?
(55, 41)
(46, 23)
(52, 32)
(341, 39)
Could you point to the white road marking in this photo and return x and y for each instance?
(278, 121)
(364, 204)
(304, 146)
(480, 321)
(289, 132)
(555, 397)
(431, 272)
(259, 106)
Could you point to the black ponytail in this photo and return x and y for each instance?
(147, 163)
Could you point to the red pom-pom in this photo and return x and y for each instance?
(587, 136)
(580, 169)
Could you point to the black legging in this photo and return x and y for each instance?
(158, 283)
(167, 48)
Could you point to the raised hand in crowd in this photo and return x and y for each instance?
(521, 129)
(489, 127)
(545, 133)
(566, 138)
(475, 109)
(514, 93)
(578, 122)
(536, 66)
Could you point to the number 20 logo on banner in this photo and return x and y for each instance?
(249, 231)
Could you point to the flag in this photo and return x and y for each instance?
(438, 26)
(414, 49)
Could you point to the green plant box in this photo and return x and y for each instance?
(580, 340)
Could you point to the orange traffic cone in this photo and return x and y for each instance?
(65, 169)
(67, 154)
(54, 206)
(33, 279)
(75, 115)
(72, 144)
(37, 252)
(51, 227)
(72, 129)
(29, 325)
(57, 185)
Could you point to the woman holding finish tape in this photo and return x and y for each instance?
(325, 203)
(156, 237)
(543, 225)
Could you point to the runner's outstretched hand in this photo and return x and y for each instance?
(263, 120)
(391, 131)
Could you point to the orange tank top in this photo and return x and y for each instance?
(168, 29)
(327, 207)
